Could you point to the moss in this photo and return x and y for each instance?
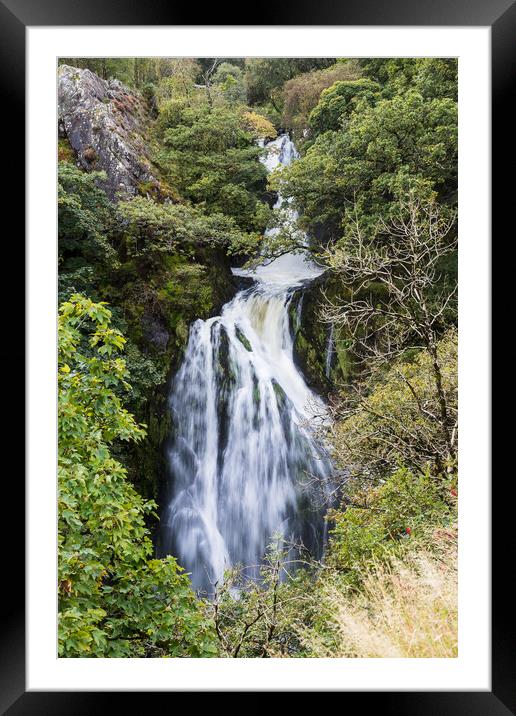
(243, 340)
(149, 468)
(158, 190)
(344, 366)
(311, 336)
(281, 397)
(185, 294)
(182, 331)
(146, 188)
(311, 358)
(65, 152)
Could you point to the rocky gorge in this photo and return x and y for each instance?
(107, 130)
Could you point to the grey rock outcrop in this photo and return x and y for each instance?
(105, 124)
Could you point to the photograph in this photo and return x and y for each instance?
(259, 291)
(257, 362)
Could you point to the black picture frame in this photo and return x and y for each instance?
(15, 16)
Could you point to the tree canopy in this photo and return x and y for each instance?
(383, 147)
(210, 154)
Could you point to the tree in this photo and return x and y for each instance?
(85, 214)
(337, 102)
(229, 79)
(393, 419)
(266, 76)
(210, 153)
(392, 279)
(152, 231)
(120, 68)
(114, 599)
(392, 146)
(86, 222)
(259, 125)
(207, 77)
(134, 71)
(177, 80)
(433, 77)
(263, 620)
(301, 93)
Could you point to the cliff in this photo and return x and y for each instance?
(106, 125)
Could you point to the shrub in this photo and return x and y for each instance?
(398, 419)
(375, 522)
(114, 600)
(149, 229)
(259, 125)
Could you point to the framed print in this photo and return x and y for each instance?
(258, 266)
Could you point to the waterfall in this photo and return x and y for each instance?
(245, 464)
(299, 312)
(329, 350)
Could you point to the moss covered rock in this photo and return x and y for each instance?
(321, 353)
(159, 308)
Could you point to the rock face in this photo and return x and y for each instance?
(320, 353)
(105, 123)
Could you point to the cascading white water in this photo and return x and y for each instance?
(330, 350)
(245, 465)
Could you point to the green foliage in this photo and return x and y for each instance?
(376, 522)
(287, 613)
(261, 617)
(259, 125)
(150, 229)
(65, 152)
(265, 76)
(397, 421)
(433, 77)
(86, 222)
(89, 262)
(338, 101)
(120, 68)
(373, 138)
(114, 600)
(137, 72)
(136, 255)
(230, 81)
(186, 295)
(398, 144)
(210, 154)
(85, 216)
(301, 94)
(145, 370)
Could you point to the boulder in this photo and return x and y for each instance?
(105, 124)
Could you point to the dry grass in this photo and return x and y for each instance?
(407, 608)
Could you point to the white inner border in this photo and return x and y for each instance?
(471, 670)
